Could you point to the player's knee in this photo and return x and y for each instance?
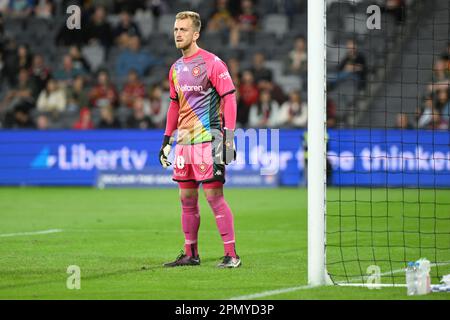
(213, 192)
(188, 193)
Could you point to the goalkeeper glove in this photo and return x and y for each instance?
(165, 151)
(229, 149)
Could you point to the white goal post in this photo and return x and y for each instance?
(317, 274)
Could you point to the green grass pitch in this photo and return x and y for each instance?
(120, 238)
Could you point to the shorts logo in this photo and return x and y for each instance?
(218, 173)
(196, 71)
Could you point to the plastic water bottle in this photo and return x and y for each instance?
(423, 276)
(411, 279)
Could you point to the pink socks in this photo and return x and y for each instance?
(190, 220)
(224, 220)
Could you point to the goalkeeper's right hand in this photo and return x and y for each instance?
(165, 151)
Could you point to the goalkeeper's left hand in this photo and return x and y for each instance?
(165, 151)
(229, 149)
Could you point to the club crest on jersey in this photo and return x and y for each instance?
(196, 71)
(202, 167)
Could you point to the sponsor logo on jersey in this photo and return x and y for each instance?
(185, 69)
(186, 88)
(224, 75)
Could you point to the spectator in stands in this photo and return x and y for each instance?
(104, 93)
(446, 54)
(67, 74)
(265, 113)
(84, 121)
(159, 103)
(297, 59)
(2, 29)
(402, 121)
(396, 8)
(24, 57)
(107, 119)
(129, 5)
(4, 6)
(52, 98)
(2, 67)
(331, 113)
(42, 122)
(248, 90)
(79, 62)
(40, 73)
(22, 118)
(67, 37)
(294, 112)
(441, 99)
(44, 9)
(259, 70)
(246, 21)
(242, 112)
(125, 29)
(98, 28)
(425, 119)
(441, 77)
(134, 58)
(133, 89)
(276, 92)
(20, 8)
(139, 120)
(158, 7)
(22, 94)
(221, 19)
(353, 66)
(17, 57)
(446, 114)
(234, 70)
(77, 95)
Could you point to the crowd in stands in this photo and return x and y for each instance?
(108, 75)
(74, 93)
(434, 109)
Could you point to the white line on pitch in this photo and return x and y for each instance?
(32, 233)
(270, 293)
(286, 290)
(444, 263)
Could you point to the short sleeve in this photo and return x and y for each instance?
(173, 92)
(220, 78)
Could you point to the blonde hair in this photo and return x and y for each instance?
(194, 16)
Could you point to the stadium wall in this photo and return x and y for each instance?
(394, 158)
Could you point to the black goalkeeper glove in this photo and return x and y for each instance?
(165, 151)
(229, 149)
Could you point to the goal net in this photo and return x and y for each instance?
(388, 181)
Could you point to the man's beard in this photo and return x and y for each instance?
(185, 47)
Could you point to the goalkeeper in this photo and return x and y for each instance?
(203, 110)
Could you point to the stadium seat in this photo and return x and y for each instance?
(95, 55)
(145, 22)
(165, 24)
(289, 83)
(113, 20)
(276, 23)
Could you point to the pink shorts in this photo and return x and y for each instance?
(196, 163)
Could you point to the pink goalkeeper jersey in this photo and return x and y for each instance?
(198, 83)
